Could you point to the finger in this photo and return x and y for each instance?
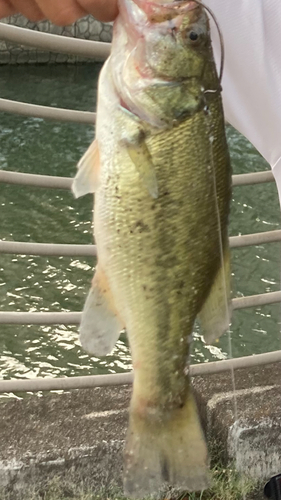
(28, 8)
(61, 12)
(103, 10)
(6, 9)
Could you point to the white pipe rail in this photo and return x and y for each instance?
(35, 180)
(40, 318)
(261, 299)
(246, 240)
(90, 381)
(53, 182)
(46, 112)
(50, 249)
(74, 318)
(68, 250)
(55, 43)
(252, 178)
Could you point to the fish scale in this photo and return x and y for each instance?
(167, 248)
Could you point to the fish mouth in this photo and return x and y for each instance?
(170, 4)
(178, 5)
(174, 4)
(162, 10)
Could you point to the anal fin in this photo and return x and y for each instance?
(100, 325)
(215, 315)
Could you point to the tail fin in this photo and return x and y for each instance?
(169, 450)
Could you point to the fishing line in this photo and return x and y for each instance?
(212, 165)
(230, 351)
(211, 138)
(209, 122)
(222, 264)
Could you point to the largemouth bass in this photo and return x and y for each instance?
(160, 171)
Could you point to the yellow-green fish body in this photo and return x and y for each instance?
(161, 174)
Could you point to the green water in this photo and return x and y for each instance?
(60, 284)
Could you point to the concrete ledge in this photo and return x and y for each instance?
(77, 432)
(246, 427)
(83, 432)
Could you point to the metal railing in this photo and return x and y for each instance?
(49, 181)
(68, 250)
(47, 112)
(73, 318)
(54, 43)
(90, 381)
(100, 50)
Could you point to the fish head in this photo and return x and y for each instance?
(162, 60)
(168, 40)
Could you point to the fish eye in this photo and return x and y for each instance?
(193, 36)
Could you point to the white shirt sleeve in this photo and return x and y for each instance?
(252, 73)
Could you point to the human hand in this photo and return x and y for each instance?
(60, 12)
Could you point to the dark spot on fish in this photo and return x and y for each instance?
(140, 226)
(166, 193)
(116, 189)
(173, 31)
(144, 287)
(153, 206)
(118, 231)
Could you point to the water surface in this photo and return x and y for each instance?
(28, 214)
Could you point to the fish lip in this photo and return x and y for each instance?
(182, 5)
(161, 11)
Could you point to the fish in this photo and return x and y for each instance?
(160, 172)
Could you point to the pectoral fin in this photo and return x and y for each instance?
(87, 177)
(133, 138)
(215, 315)
(141, 157)
(100, 325)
